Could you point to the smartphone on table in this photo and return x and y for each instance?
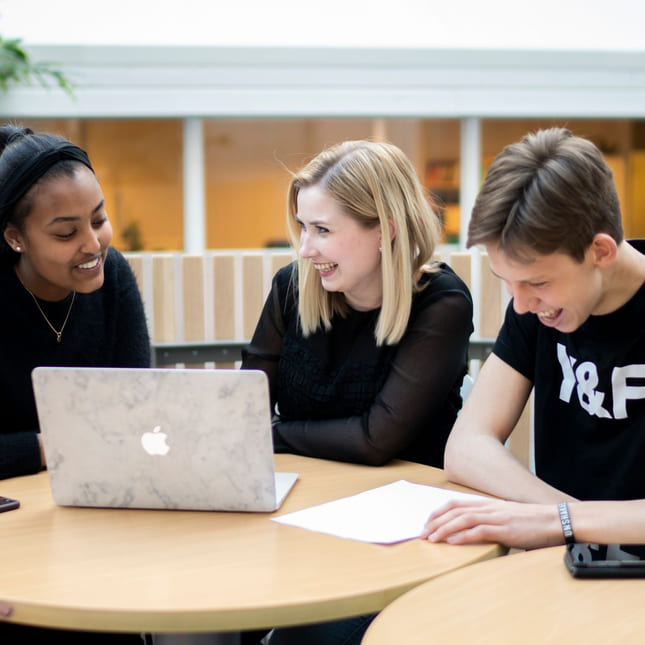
(8, 504)
(584, 560)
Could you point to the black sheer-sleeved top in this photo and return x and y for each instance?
(337, 395)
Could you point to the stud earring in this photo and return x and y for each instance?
(18, 249)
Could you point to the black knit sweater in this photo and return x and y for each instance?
(106, 328)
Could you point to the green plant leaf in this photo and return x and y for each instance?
(16, 67)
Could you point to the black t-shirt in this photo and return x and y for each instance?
(340, 396)
(589, 423)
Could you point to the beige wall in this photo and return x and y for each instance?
(140, 168)
(138, 163)
(637, 194)
(248, 164)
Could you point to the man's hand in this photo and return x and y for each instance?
(514, 524)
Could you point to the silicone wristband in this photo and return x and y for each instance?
(565, 520)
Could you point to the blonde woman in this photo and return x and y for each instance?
(364, 341)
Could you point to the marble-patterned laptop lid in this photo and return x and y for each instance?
(157, 438)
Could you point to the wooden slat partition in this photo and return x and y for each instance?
(253, 293)
(485, 288)
(461, 263)
(218, 296)
(136, 264)
(490, 300)
(223, 305)
(520, 443)
(193, 275)
(164, 304)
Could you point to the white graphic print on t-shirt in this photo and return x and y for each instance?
(584, 378)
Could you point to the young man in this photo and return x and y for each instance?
(549, 217)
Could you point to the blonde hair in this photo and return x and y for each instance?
(374, 183)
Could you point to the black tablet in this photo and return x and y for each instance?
(605, 560)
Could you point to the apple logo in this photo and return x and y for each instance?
(154, 443)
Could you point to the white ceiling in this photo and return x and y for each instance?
(515, 24)
(343, 58)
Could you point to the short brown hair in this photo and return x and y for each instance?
(552, 191)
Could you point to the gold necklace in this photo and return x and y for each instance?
(58, 333)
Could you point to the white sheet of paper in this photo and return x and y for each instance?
(384, 515)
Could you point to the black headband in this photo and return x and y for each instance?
(21, 180)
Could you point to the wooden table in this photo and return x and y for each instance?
(526, 598)
(174, 571)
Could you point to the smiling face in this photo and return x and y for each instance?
(345, 254)
(562, 293)
(64, 238)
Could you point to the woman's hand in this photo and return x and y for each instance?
(514, 524)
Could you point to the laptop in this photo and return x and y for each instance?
(184, 439)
